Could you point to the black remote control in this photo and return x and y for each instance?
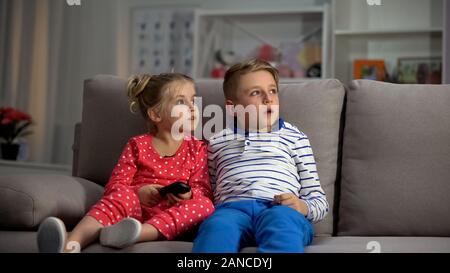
(175, 188)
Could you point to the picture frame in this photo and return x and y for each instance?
(369, 70)
(420, 70)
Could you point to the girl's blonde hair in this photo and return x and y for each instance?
(151, 91)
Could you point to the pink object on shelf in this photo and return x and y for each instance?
(266, 53)
(218, 72)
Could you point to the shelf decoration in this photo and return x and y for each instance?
(162, 40)
(420, 70)
(369, 70)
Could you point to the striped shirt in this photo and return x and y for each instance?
(251, 165)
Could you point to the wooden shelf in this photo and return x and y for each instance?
(387, 31)
(205, 12)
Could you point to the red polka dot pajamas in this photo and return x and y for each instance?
(140, 165)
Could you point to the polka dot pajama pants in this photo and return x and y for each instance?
(121, 202)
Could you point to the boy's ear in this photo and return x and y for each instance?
(229, 102)
(229, 107)
(153, 115)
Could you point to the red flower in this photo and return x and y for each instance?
(14, 115)
(13, 123)
(6, 121)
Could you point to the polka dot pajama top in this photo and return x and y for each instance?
(139, 165)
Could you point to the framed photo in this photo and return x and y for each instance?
(369, 70)
(420, 70)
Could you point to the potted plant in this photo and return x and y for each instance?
(13, 125)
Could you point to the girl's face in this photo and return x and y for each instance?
(179, 114)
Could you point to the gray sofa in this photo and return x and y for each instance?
(383, 155)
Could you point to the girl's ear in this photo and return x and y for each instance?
(153, 115)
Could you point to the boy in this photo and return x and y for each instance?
(263, 172)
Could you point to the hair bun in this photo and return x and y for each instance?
(136, 85)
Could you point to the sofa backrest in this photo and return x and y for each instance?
(315, 107)
(395, 160)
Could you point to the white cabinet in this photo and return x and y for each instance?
(243, 32)
(395, 30)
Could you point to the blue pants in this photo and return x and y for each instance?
(234, 225)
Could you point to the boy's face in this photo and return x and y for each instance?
(257, 90)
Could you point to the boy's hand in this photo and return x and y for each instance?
(173, 199)
(149, 195)
(292, 201)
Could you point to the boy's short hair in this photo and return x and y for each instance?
(233, 74)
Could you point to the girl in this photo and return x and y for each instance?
(132, 210)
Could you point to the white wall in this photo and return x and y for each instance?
(88, 42)
(47, 50)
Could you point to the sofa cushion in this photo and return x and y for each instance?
(25, 242)
(315, 107)
(146, 247)
(396, 161)
(319, 245)
(107, 124)
(25, 200)
(374, 245)
(18, 241)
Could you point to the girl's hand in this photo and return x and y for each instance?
(292, 201)
(149, 195)
(173, 199)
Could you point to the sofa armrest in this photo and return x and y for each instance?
(76, 148)
(26, 200)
